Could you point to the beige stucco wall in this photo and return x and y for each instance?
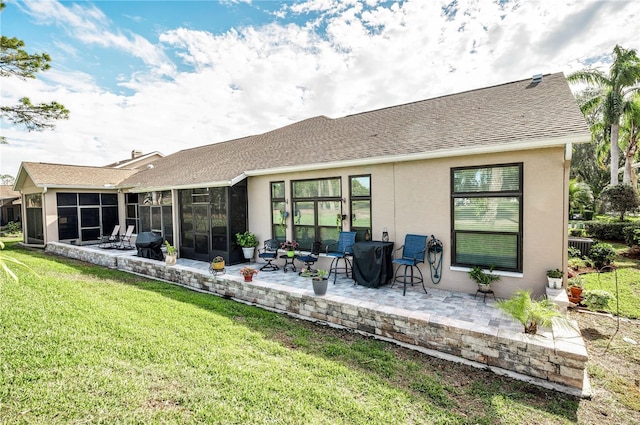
(414, 197)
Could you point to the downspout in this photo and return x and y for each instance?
(175, 213)
(568, 152)
(44, 217)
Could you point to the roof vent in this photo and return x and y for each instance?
(537, 78)
(150, 166)
(136, 154)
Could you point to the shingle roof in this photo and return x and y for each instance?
(7, 192)
(74, 176)
(132, 162)
(505, 115)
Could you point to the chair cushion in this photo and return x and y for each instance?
(405, 261)
(267, 255)
(307, 258)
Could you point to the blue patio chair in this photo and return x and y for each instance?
(413, 252)
(269, 253)
(310, 259)
(343, 250)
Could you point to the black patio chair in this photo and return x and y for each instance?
(110, 241)
(310, 259)
(413, 252)
(342, 251)
(269, 253)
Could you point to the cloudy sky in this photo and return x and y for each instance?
(169, 75)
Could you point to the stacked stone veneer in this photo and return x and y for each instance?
(557, 357)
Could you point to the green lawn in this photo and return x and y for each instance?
(627, 273)
(80, 343)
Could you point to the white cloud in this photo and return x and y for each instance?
(350, 56)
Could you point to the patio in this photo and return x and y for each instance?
(451, 325)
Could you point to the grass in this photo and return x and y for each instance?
(81, 343)
(627, 273)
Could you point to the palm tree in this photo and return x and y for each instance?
(630, 135)
(623, 78)
(580, 196)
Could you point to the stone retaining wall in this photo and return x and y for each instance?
(557, 357)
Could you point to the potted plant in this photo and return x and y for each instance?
(248, 242)
(529, 312)
(483, 279)
(290, 247)
(248, 273)
(172, 257)
(217, 263)
(597, 299)
(554, 278)
(575, 290)
(319, 282)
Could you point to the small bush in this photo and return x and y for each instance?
(576, 232)
(597, 299)
(574, 252)
(631, 234)
(13, 227)
(602, 254)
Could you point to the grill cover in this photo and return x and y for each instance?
(149, 245)
(372, 265)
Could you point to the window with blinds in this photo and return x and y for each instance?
(486, 210)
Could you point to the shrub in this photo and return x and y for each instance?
(597, 299)
(529, 312)
(574, 252)
(576, 232)
(13, 227)
(602, 254)
(631, 234)
(613, 231)
(621, 198)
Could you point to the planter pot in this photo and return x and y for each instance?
(291, 254)
(248, 278)
(170, 259)
(483, 287)
(218, 266)
(248, 252)
(554, 282)
(576, 292)
(319, 286)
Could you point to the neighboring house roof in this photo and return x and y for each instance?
(71, 176)
(512, 116)
(7, 192)
(136, 162)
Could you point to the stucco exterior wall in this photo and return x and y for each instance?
(415, 197)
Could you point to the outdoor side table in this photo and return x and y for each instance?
(288, 263)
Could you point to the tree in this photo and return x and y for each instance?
(624, 74)
(16, 62)
(620, 198)
(7, 179)
(588, 163)
(580, 195)
(630, 134)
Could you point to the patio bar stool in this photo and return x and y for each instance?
(343, 250)
(413, 252)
